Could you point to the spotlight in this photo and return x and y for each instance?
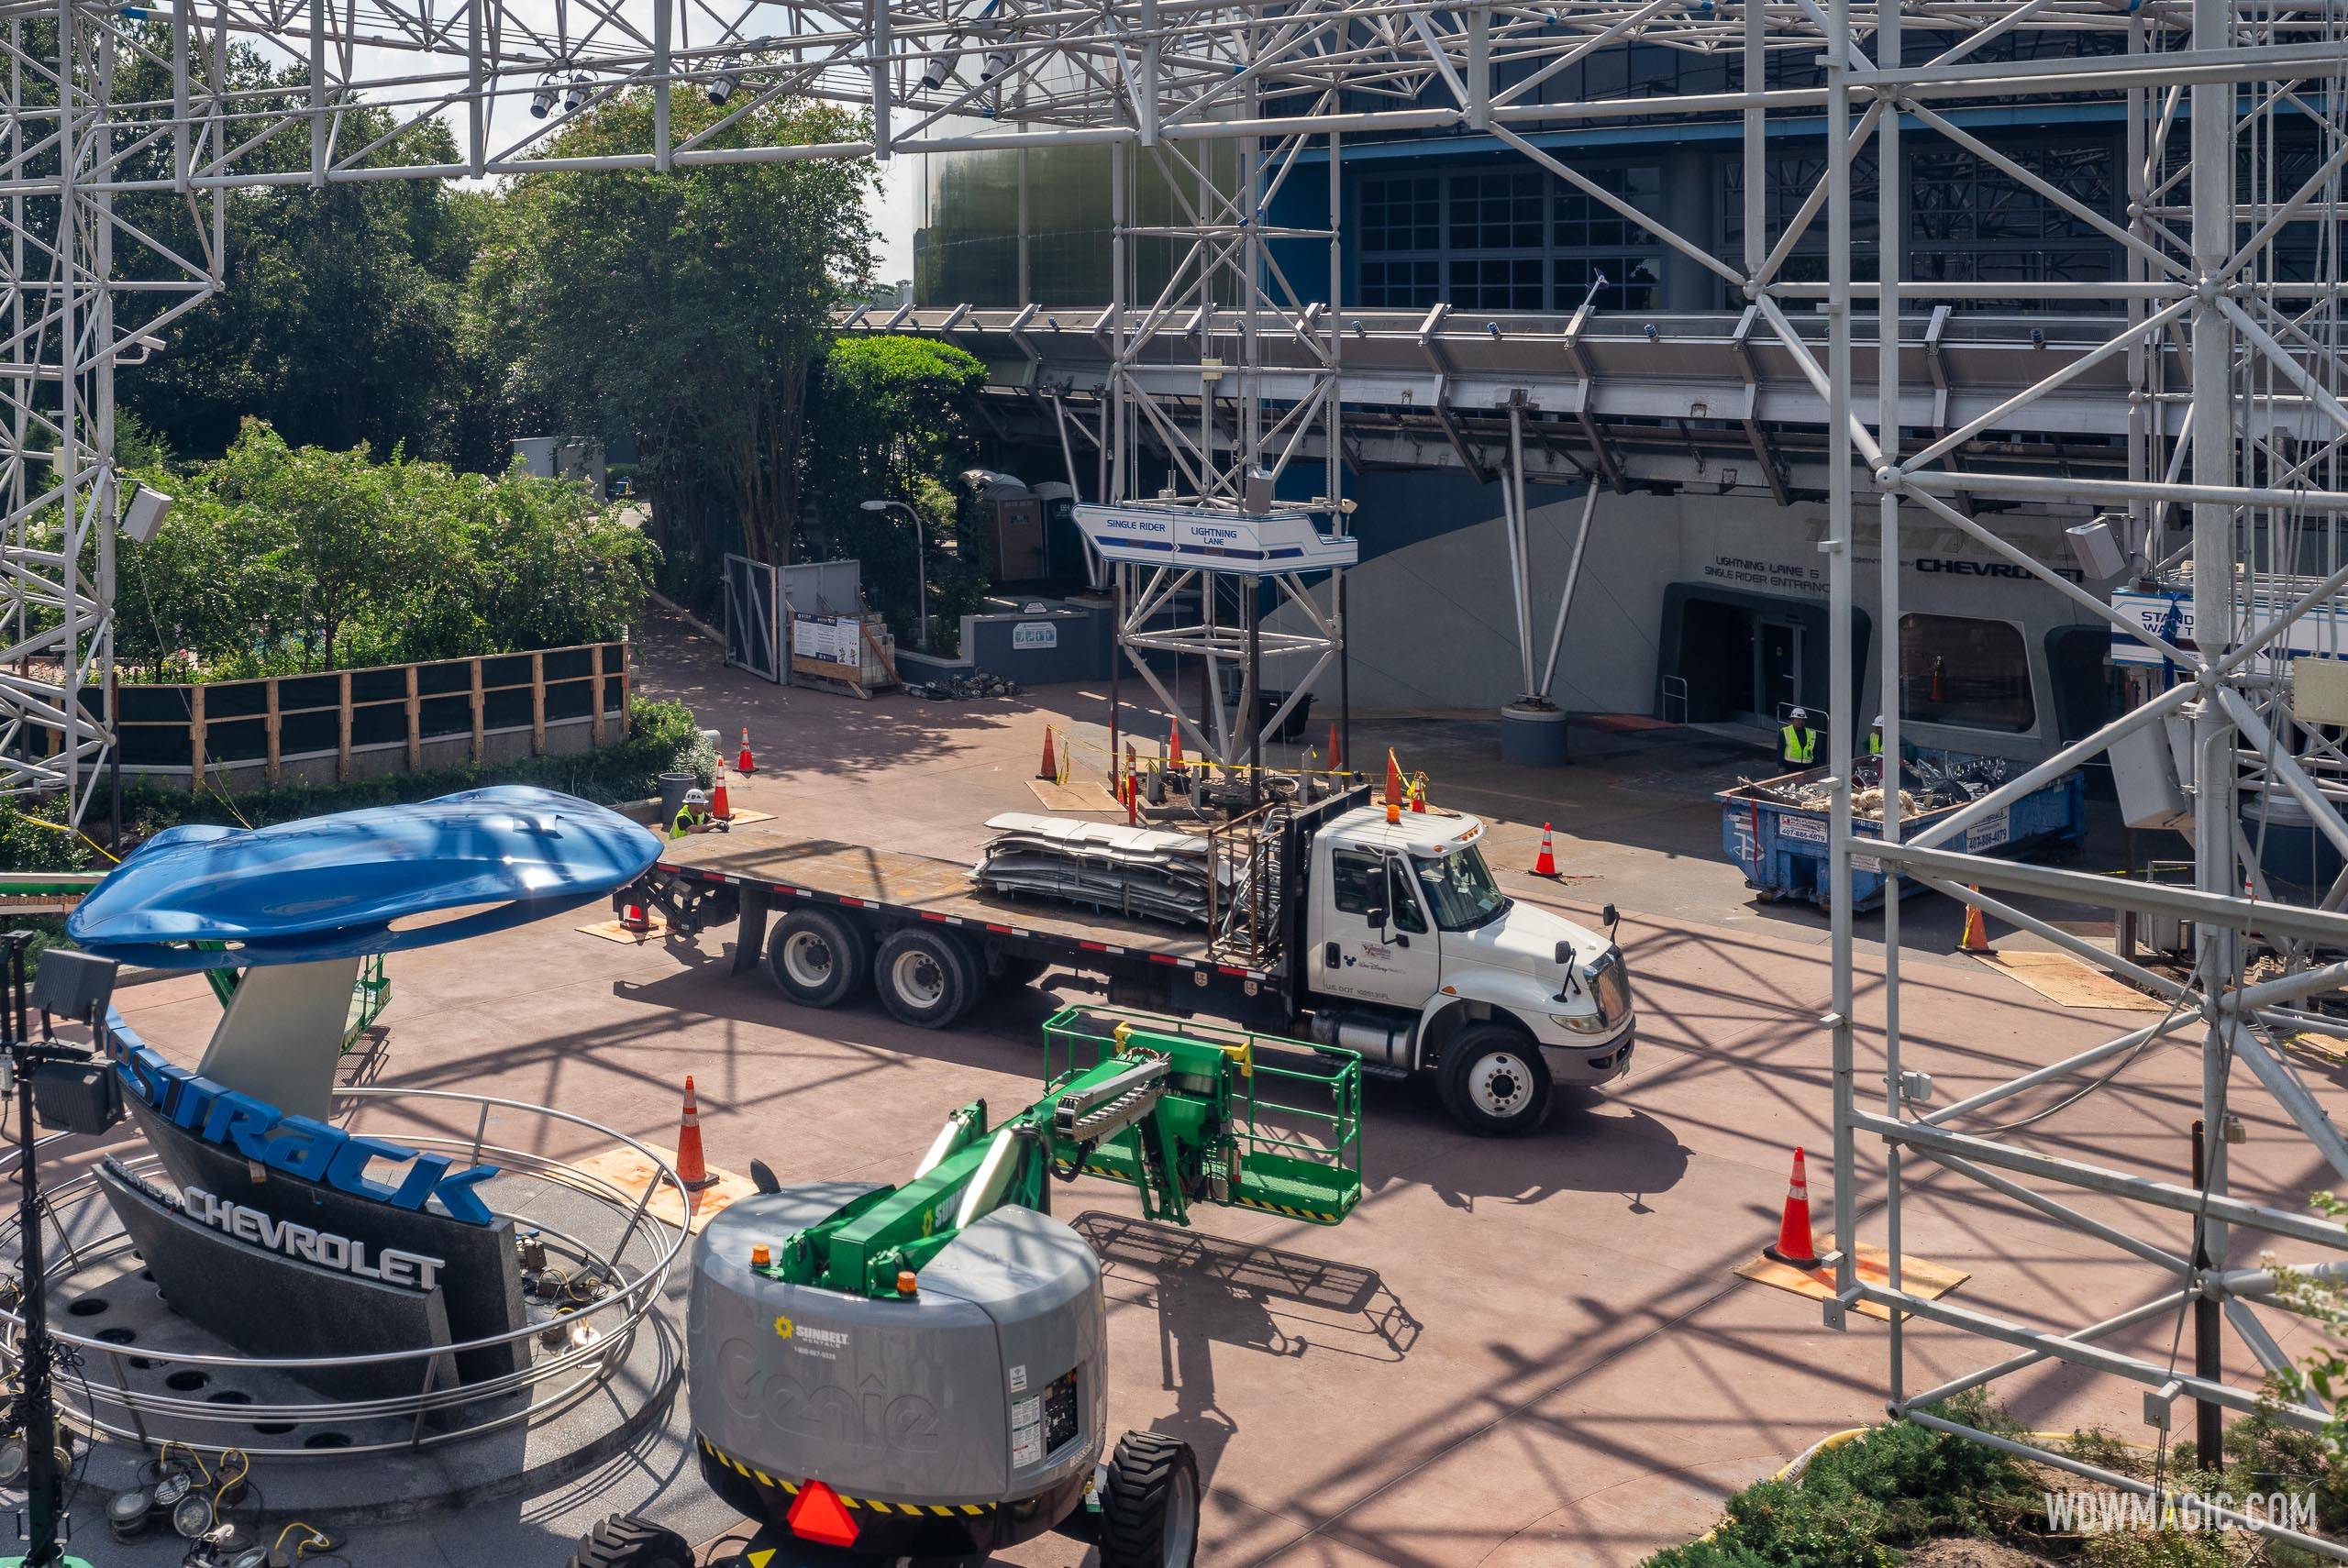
(15, 1455)
(542, 102)
(191, 1516)
(933, 75)
(127, 1513)
(722, 85)
(574, 97)
(996, 61)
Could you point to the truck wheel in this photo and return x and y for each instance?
(818, 958)
(1149, 1510)
(623, 1540)
(1493, 1081)
(926, 979)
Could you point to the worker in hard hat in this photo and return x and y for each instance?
(1874, 743)
(1797, 742)
(692, 815)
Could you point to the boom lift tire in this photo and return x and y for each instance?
(926, 977)
(818, 958)
(1493, 1082)
(1149, 1507)
(623, 1540)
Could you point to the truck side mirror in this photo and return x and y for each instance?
(1565, 954)
(1377, 918)
(1611, 916)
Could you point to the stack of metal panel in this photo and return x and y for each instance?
(1134, 871)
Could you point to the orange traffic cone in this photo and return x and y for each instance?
(691, 1169)
(1133, 802)
(633, 918)
(1174, 744)
(746, 764)
(1337, 763)
(1049, 768)
(1795, 1246)
(1545, 863)
(721, 806)
(1976, 935)
(1393, 788)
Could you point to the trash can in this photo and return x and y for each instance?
(673, 795)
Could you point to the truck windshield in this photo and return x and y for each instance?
(1460, 888)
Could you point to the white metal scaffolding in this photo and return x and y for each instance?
(2221, 318)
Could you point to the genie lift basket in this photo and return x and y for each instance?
(1272, 1124)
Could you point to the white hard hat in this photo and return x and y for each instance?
(1879, 721)
(1802, 712)
(696, 798)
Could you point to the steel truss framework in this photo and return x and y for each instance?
(2231, 350)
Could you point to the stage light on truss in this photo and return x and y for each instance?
(574, 97)
(722, 85)
(542, 100)
(993, 64)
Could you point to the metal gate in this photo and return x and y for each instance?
(753, 640)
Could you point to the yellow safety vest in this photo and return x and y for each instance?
(683, 825)
(1874, 743)
(1802, 746)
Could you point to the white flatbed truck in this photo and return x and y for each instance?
(1389, 939)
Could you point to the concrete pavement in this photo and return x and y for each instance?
(1514, 1354)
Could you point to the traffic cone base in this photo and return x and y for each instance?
(633, 918)
(1545, 863)
(693, 1170)
(1975, 938)
(1796, 1247)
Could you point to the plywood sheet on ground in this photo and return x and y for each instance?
(2062, 979)
(632, 1174)
(1085, 797)
(1918, 1277)
(613, 931)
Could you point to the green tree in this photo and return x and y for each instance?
(338, 322)
(279, 558)
(890, 420)
(682, 308)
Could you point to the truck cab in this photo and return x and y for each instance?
(1415, 958)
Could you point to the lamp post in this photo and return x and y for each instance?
(921, 564)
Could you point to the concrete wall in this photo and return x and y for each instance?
(1432, 625)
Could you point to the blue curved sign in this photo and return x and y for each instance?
(335, 886)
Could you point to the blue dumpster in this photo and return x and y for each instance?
(1782, 848)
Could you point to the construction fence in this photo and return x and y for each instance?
(349, 723)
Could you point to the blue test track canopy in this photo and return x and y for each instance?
(335, 886)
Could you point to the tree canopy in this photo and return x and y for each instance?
(682, 308)
(277, 558)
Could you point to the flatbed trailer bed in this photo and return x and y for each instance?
(769, 874)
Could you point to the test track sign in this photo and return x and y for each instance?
(1252, 543)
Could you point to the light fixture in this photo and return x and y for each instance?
(722, 85)
(144, 514)
(933, 75)
(192, 1517)
(173, 1488)
(574, 97)
(993, 64)
(127, 1513)
(542, 100)
(15, 1455)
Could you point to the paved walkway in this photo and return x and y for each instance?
(1519, 1354)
